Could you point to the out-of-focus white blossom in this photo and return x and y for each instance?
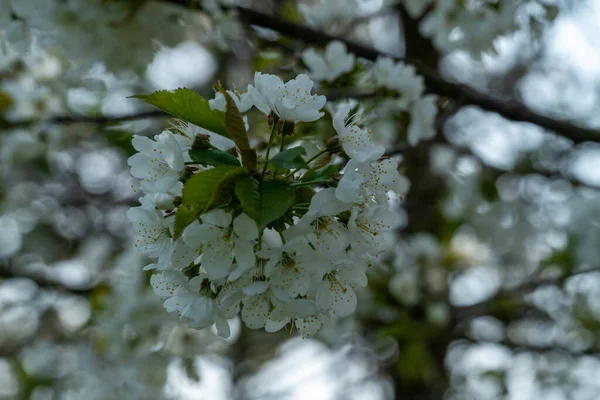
(409, 86)
(325, 12)
(333, 63)
(10, 237)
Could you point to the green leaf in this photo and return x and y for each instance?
(189, 106)
(208, 156)
(264, 201)
(290, 159)
(304, 194)
(5, 101)
(236, 130)
(205, 191)
(321, 174)
(247, 190)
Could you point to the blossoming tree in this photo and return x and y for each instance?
(372, 177)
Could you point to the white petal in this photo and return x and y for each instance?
(222, 326)
(217, 258)
(303, 307)
(354, 275)
(256, 288)
(277, 320)
(326, 203)
(218, 217)
(245, 227)
(323, 297)
(343, 300)
(244, 253)
(308, 326)
(182, 255)
(256, 311)
(161, 286)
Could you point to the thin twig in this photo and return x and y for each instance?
(68, 119)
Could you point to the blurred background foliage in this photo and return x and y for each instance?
(492, 290)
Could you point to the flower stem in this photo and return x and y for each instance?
(310, 183)
(271, 138)
(313, 158)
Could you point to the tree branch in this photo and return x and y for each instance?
(332, 94)
(463, 94)
(68, 120)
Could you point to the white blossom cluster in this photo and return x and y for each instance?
(303, 273)
(474, 25)
(470, 25)
(406, 86)
(27, 87)
(115, 33)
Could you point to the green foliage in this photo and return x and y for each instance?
(416, 364)
(120, 139)
(247, 190)
(209, 156)
(264, 201)
(321, 174)
(234, 126)
(304, 194)
(488, 189)
(205, 191)
(562, 258)
(189, 106)
(290, 159)
(5, 101)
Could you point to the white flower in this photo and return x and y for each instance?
(221, 242)
(257, 308)
(310, 325)
(10, 238)
(191, 299)
(335, 62)
(243, 101)
(153, 238)
(399, 77)
(291, 101)
(159, 162)
(283, 313)
(355, 140)
(325, 12)
(367, 227)
(361, 181)
(29, 99)
(335, 291)
(422, 118)
(323, 203)
(288, 271)
(415, 8)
